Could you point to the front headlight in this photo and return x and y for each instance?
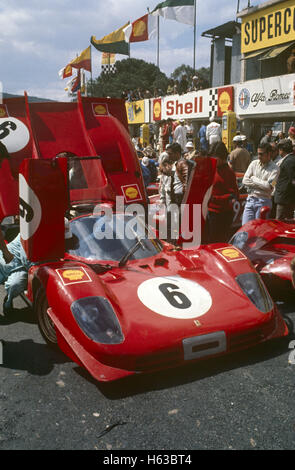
(253, 287)
(97, 319)
(239, 240)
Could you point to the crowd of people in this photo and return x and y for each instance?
(269, 176)
(175, 87)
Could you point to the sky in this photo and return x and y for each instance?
(39, 37)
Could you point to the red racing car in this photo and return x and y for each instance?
(270, 245)
(119, 301)
(116, 299)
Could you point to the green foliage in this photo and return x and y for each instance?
(134, 74)
(130, 74)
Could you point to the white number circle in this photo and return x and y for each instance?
(13, 134)
(175, 297)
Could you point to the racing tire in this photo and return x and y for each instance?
(46, 325)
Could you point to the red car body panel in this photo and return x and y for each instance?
(270, 245)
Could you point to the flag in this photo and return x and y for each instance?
(74, 84)
(65, 72)
(113, 42)
(142, 29)
(108, 62)
(179, 10)
(83, 61)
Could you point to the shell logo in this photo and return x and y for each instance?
(230, 253)
(157, 109)
(100, 109)
(139, 28)
(131, 192)
(224, 101)
(2, 112)
(73, 274)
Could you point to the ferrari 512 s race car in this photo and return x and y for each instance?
(270, 245)
(115, 298)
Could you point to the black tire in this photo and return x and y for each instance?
(46, 326)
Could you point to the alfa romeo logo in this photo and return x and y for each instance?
(244, 98)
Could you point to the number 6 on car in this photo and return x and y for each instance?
(175, 297)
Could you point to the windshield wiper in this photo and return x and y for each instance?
(131, 251)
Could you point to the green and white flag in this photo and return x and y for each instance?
(179, 10)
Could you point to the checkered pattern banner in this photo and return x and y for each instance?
(213, 102)
(108, 68)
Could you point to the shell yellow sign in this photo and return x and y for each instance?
(135, 112)
(268, 27)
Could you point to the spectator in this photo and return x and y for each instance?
(14, 273)
(284, 196)
(213, 131)
(189, 130)
(151, 165)
(291, 135)
(170, 88)
(183, 85)
(195, 85)
(275, 155)
(145, 171)
(163, 135)
(179, 135)
(181, 169)
(225, 191)
(239, 158)
(259, 179)
(166, 172)
(202, 137)
(190, 150)
(266, 139)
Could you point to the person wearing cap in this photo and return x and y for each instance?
(284, 195)
(189, 149)
(259, 179)
(151, 165)
(239, 158)
(213, 131)
(179, 135)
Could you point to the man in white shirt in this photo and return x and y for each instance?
(179, 135)
(259, 179)
(213, 131)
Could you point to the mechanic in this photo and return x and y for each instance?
(239, 158)
(224, 192)
(14, 274)
(259, 179)
(284, 196)
(213, 131)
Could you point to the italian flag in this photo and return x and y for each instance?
(179, 10)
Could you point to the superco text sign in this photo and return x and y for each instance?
(269, 27)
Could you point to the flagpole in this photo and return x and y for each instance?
(195, 31)
(158, 41)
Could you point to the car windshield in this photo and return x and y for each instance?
(115, 238)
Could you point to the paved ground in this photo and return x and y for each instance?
(240, 402)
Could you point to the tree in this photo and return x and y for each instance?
(183, 69)
(130, 74)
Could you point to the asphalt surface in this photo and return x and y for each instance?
(240, 402)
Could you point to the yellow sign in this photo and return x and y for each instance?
(131, 192)
(268, 27)
(135, 112)
(73, 274)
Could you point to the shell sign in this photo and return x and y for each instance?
(157, 109)
(225, 100)
(131, 193)
(100, 109)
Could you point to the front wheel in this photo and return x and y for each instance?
(46, 325)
